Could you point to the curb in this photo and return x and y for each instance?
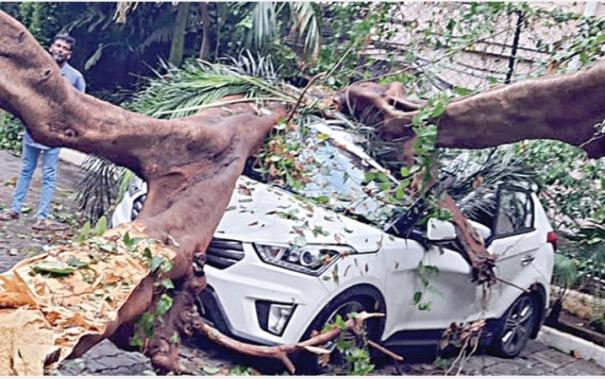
(72, 156)
(568, 343)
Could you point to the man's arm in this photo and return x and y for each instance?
(80, 83)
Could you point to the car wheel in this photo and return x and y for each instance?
(354, 300)
(515, 327)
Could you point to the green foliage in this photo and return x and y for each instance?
(351, 26)
(181, 92)
(352, 356)
(599, 323)
(87, 231)
(424, 273)
(10, 133)
(44, 20)
(241, 371)
(565, 272)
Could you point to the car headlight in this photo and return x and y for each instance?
(309, 259)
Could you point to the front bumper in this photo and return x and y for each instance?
(229, 302)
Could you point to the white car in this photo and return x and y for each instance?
(280, 267)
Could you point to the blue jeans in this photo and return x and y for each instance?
(50, 158)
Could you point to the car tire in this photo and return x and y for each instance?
(356, 299)
(515, 327)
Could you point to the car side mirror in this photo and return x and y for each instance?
(439, 230)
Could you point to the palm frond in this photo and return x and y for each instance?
(476, 182)
(122, 9)
(161, 34)
(264, 23)
(259, 66)
(182, 92)
(307, 25)
(98, 188)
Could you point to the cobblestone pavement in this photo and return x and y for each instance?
(536, 359)
(18, 241)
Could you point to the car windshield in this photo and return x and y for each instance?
(336, 178)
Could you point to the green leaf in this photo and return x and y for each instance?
(164, 305)
(54, 268)
(155, 263)
(299, 241)
(126, 239)
(400, 193)
(461, 91)
(75, 262)
(147, 254)
(417, 297)
(425, 306)
(146, 324)
(84, 232)
(439, 109)
(101, 226)
(166, 266)
(136, 341)
(168, 284)
(107, 247)
(210, 370)
(340, 323)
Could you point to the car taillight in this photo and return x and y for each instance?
(552, 238)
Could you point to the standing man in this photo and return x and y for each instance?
(60, 50)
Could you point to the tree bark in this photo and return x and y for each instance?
(178, 36)
(205, 47)
(566, 108)
(190, 164)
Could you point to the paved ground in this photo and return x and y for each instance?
(18, 241)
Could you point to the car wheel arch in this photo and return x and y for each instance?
(538, 292)
(366, 291)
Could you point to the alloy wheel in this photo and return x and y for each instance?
(518, 325)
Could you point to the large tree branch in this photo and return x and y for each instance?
(191, 166)
(566, 108)
(562, 107)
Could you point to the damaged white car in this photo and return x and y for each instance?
(280, 267)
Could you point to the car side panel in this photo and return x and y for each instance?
(448, 295)
(401, 258)
(522, 260)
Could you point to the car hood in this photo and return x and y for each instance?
(267, 214)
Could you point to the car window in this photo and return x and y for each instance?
(515, 212)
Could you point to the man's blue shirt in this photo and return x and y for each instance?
(74, 78)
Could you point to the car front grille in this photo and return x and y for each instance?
(224, 253)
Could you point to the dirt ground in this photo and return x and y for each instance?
(199, 356)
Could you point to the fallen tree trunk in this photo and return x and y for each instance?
(190, 164)
(568, 108)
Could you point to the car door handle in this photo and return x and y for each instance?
(527, 260)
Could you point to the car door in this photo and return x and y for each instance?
(432, 288)
(515, 243)
(439, 289)
(444, 289)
